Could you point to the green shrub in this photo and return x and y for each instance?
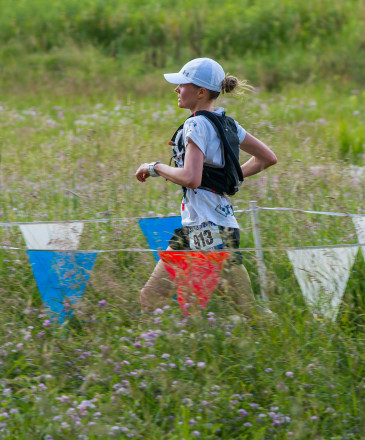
(326, 34)
(351, 142)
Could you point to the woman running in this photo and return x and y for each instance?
(205, 171)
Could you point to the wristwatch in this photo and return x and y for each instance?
(151, 169)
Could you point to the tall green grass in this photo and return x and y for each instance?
(271, 43)
(75, 158)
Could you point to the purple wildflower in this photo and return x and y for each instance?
(115, 428)
(243, 413)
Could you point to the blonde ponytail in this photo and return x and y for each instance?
(232, 84)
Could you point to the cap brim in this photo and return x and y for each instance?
(176, 78)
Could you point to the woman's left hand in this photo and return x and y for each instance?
(262, 158)
(142, 173)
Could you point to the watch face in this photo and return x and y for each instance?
(151, 169)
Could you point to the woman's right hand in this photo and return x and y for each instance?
(142, 173)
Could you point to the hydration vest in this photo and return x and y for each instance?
(224, 179)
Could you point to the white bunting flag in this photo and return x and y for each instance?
(322, 275)
(52, 236)
(359, 223)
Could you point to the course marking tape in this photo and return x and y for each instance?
(250, 249)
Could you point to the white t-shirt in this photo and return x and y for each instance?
(199, 205)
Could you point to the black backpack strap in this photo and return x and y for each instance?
(215, 120)
(175, 134)
(172, 142)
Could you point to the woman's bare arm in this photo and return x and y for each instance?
(190, 175)
(262, 158)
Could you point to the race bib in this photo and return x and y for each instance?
(205, 236)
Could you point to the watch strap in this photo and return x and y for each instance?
(151, 169)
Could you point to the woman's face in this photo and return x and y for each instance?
(187, 96)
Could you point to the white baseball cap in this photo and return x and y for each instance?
(203, 72)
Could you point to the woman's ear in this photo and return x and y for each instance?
(203, 92)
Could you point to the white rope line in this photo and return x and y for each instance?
(339, 214)
(250, 249)
(101, 220)
(106, 220)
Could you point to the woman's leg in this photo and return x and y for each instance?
(238, 287)
(236, 280)
(158, 289)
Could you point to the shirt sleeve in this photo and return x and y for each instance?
(197, 130)
(241, 132)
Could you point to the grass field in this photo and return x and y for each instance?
(115, 374)
(83, 103)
